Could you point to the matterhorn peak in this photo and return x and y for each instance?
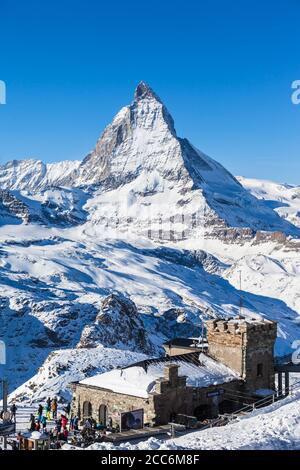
(143, 90)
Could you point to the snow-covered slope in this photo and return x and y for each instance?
(269, 276)
(283, 198)
(56, 287)
(34, 174)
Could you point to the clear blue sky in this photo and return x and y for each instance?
(223, 68)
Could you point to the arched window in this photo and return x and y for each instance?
(87, 409)
(103, 415)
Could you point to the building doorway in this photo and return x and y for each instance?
(87, 409)
(228, 406)
(103, 415)
(203, 412)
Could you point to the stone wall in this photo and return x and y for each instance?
(164, 403)
(115, 402)
(246, 347)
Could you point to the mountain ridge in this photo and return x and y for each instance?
(140, 165)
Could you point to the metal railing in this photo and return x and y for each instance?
(248, 408)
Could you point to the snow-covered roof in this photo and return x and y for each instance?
(140, 382)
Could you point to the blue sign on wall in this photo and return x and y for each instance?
(215, 393)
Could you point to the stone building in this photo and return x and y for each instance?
(238, 361)
(246, 346)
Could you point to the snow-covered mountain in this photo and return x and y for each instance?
(143, 178)
(34, 175)
(283, 198)
(135, 244)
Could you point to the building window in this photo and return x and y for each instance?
(259, 370)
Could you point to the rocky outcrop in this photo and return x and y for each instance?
(118, 324)
(14, 207)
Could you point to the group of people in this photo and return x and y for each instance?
(51, 408)
(39, 422)
(64, 423)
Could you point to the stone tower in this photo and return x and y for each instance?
(247, 347)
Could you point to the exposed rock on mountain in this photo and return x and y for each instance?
(118, 324)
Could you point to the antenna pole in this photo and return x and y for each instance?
(241, 295)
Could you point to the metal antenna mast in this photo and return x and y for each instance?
(241, 295)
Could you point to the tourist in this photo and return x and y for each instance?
(72, 423)
(19, 439)
(64, 421)
(75, 423)
(44, 422)
(67, 409)
(65, 434)
(54, 408)
(32, 423)
(48, 408)
(13, 411)
(110, 423)
(40, 412)
(58, 425)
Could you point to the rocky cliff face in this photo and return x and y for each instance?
(117, 325)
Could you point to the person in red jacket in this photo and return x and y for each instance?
(64, 421)
(65, 433)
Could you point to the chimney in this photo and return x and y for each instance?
(171, 373)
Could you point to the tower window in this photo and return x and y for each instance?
(259, 370)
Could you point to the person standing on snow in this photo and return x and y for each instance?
(68, 409)
(44, 422)
(75, 423)
(64, 421)
(48, 409)
(32, 423)
(13, 411)
(54, 408)
(58, 425)
(40, 412)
